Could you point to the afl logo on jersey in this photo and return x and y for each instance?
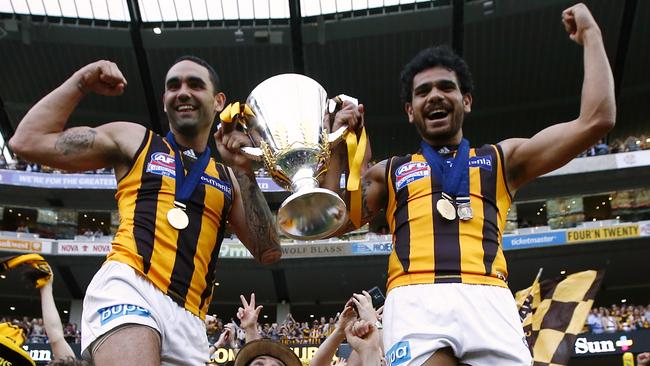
(163, 159)
(410, 172)
(162, 164)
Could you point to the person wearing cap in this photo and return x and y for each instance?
(264, 352)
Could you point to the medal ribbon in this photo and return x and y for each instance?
(185, 185)
(453, 173)
(356, 152)
(236, 112)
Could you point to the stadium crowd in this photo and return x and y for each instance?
(615, 318)
(34, 329)
(288, 332)
(618, 318)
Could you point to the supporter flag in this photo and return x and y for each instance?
(12, 337)
(38, 272)
(554, 311)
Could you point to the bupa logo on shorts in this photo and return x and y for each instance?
(162, 164)
(116, 311)
(399, 353)
(410, 172)
(484, 162)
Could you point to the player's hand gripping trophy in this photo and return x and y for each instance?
(285, 118)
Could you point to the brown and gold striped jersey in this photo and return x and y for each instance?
(180, 263)
(427, 248)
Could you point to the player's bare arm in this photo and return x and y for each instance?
(373, 185)
(41, 135)
(553, 147)
(250, 217)
(373, 196)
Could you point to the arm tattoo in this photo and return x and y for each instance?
(75, 141)
(260, 223)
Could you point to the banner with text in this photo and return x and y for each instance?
(644, 228)
(603, 233)
(87, 181)
(588, 344)
(81, 248)
(25, 245)
(549, 238)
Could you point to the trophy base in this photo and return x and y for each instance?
(313, 214)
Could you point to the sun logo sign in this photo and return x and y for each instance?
(624, 343)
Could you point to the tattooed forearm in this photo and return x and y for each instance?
(260, 223)
(75, 140)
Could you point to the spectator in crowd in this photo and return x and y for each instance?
(62, 354)
(601, 148)
(213, 328)
(610, 322)
(22, 228)
(37, 334)
(643, 359)
(359, 306)
(632, 143)
(594, 321)
(617, 146)
(227, 339)
(87, 233)
(264, 352)
(365, 340)
(247, 315)
(12, 337)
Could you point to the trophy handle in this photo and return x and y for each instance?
(333, 105)
(337, 136)
(253, 153)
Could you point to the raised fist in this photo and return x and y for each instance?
(101, 77)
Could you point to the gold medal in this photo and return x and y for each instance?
(177, 217)
(446, 209)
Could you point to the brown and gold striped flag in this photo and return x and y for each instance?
(554, 311)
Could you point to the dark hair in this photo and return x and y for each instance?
(432, 57)
(68, 361)
(214, 78)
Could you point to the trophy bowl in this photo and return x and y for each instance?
(289, 136)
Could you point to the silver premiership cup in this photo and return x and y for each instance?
(289, 136)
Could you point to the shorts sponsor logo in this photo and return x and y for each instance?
(484, 162)
(399, 353)
(410, 172)
(113, 312)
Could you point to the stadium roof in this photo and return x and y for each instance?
(189, 10)
(527, 72)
